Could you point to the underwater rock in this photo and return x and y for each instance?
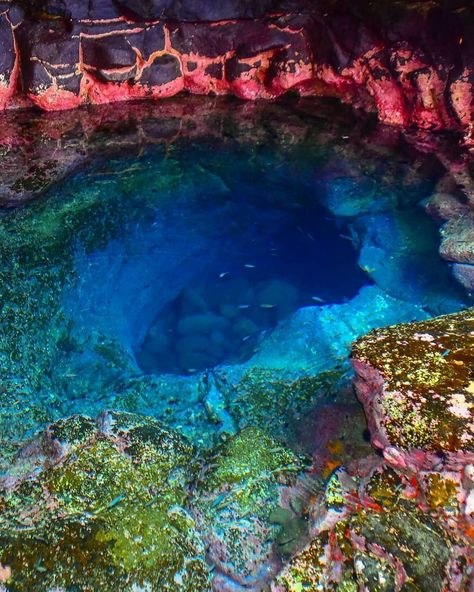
(392, 249)
(373, 530)
(405, 521)
(241, 510)
(100, 504)
(218, 322)
(457, 242)
(464, 274)
(416, 383)
(392, 62)
(122, 502)
(452, 205)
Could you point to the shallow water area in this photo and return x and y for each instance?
(210, 268)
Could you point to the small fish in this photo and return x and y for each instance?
(249, 266)
(246, 337)
(223, 274)
(347, 237)
(311, 237)
(446, 352)
(345, 137)
(111, 504)
(243, 306)
(116, 500)
(266, 305)
(317, 299)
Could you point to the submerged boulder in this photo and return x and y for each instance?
(100, 504)
(242, 508)
(123, 503)
(373, 534)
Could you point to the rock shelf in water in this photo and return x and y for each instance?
(134, 502)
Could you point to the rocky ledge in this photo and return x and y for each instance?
(410, 62)
(402, 520)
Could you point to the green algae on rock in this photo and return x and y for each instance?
(240, 509)
(105, 508)
(416, 382)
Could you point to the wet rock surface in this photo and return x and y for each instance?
(100, 505)
(246, 463)
(410, 63)
(404, 522)
(416, 383)
(251, 510)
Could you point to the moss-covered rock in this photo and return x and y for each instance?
(104, 510)
(378, 539)
(240, 508)
(416, 382)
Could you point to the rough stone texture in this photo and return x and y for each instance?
(124, 503)
(240, 509)
(377, 529)
(411, 63)
(100, 505)
(452, 204)
(457, 246)
(405, 522)
(416, 383)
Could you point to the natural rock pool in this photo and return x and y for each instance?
(207, 265)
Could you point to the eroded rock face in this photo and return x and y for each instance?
(240, 508)
(378, 529)
(411, 64)
(416, 383)
(121, 502)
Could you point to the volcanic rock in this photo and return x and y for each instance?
(412, 64)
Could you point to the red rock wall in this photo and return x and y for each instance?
(413, 66)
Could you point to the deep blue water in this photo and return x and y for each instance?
(255, 250)
(269, 262)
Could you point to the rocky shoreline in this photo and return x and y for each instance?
(236, 518)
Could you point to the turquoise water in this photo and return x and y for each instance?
(138, 279)
(209, 269)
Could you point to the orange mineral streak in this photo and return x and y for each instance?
(8, 89)
(394, 80)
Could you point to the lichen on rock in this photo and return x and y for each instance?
(416, 382)
(240, 509)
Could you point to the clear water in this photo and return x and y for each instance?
(139, 277)
(267, 261)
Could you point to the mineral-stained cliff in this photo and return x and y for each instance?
(411, 62)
